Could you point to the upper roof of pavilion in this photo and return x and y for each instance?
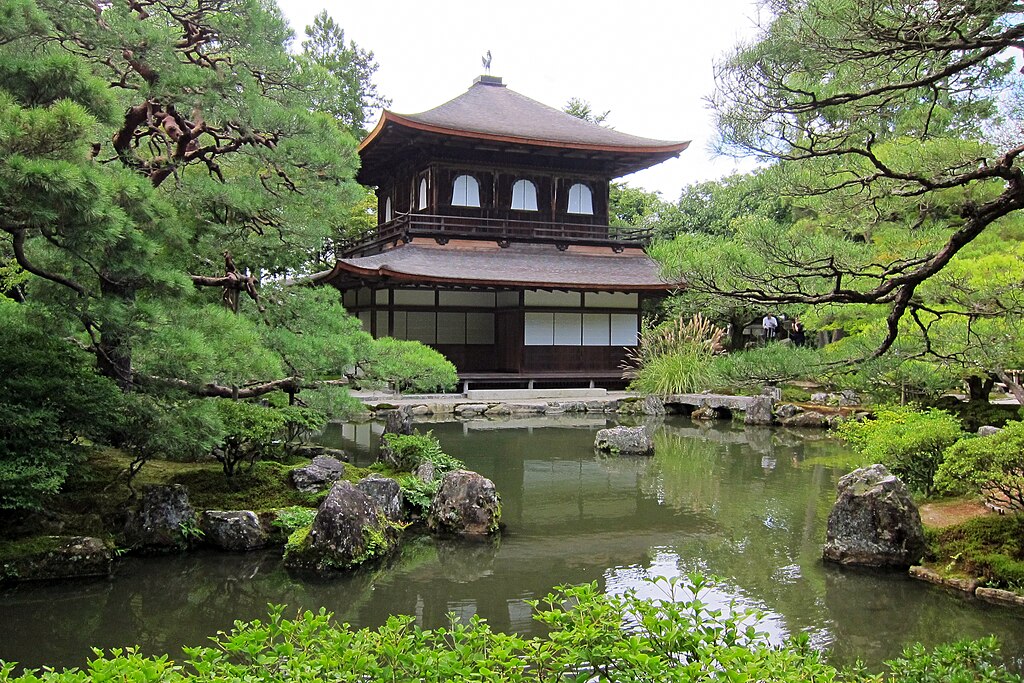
(491, 116)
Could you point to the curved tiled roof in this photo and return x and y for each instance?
(519, 265)
(491, 111)
(490, 108)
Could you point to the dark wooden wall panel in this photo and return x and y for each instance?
(572, 358)
(470, 357)
(509, 341)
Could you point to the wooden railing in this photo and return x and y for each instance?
(404, 227)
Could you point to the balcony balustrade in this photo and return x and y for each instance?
(503, 230)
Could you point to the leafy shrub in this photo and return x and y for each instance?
(408, 451)
(251, 430)
(964, 661)
(49, 396)
(992, 465)
(908, 441)
(676, 357)
(591, 636)
(769, 364)
(418, 494)
(407, 366)
(291, 518)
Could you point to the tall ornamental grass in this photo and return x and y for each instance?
(676, 357)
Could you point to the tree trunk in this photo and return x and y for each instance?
(115, 351)
(979, 388)
(1013, 387)
(736, 338)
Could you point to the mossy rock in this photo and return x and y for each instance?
(55, 557)
(349, 529)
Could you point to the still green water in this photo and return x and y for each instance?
(747, 505)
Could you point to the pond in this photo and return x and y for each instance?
(748, 505)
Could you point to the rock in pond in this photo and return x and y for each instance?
(323, 471)
(164, 519)
(386, 492)
(60, 557)
(625, 441)
(398, 420)
(759, 412)
(808, 418)
(232, 529)
(874, 523)
(349, 529)
(466, 504)
(648, 405)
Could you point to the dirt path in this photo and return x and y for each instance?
(947, 513)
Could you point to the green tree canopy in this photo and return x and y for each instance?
(881, 122)
(875, 125)
(347, 91)
(168, 172)
(146, 148)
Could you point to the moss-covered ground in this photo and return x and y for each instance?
(990, 547)
(97, 493)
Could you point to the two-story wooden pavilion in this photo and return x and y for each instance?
(493, 244)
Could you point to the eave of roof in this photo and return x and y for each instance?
(517, 266)
(489, 113)
(664, 147)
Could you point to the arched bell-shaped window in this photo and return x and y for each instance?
(465, 191)
(422, 199)
(581, 200)
(387, 209)
(524, 195)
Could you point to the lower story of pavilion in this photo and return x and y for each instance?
(530, 314)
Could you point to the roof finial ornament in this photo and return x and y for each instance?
(486, 61)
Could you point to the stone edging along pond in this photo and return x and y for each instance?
(751, 410)
(971, 587)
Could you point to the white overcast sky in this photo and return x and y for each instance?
(649, 63)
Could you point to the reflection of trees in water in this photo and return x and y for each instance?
(766, 513)
(684, 476)
(865, 619)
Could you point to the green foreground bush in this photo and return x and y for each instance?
(591, 637)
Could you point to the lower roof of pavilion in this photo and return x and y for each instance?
(479, 264)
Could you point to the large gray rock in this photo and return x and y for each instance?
(60, 557)
(874, 523)
(707, 413)
(788, 410)
(625, 441)
(164, 519)
(759, 412)
(466, 504)
(232, 529)
(323, 471)
(349, 529)
(988, 430)
(386, 492)
(398, 420)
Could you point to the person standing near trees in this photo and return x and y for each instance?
(796, 332)
(770, 324)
